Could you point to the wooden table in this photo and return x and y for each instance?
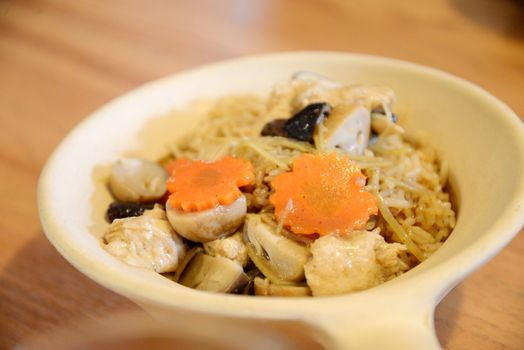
(60, 60)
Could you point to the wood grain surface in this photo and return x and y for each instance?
(60, 60)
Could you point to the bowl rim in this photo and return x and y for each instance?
(136, 288)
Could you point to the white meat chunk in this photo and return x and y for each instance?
(231, 247)
(312, 88)
(146, 241)
(348, 127)
(348, 264)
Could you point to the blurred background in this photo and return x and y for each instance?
(60, 60)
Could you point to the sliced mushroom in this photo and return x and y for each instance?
(277, 257)
(347, 127)
(265, 288)
(146, 241)
(185, 261)
(208, 225)
(137, 180)
(213, 274)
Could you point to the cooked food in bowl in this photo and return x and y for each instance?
(315, 190)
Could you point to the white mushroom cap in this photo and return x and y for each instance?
(208, 225)
(137, 180)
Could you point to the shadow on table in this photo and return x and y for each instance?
(503, 16)
(40, 290)
(446, 316)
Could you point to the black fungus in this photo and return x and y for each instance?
(274, 128)
(302, 125)
(117, 210)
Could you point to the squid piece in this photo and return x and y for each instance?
(146, 241)
(210, 224)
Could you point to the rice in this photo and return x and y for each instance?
(402, 170)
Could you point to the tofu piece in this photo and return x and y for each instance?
(147, 241)
(349, 264)
(232, 248)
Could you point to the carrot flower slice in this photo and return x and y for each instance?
(322, 194)
(199, 185)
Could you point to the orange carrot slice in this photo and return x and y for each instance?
(322, 194)
(199, 185)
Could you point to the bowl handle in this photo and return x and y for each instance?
(396, 328)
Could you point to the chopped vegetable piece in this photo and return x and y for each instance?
(301, 126)
(274, 128)
(117, 210)
(199, 185)
(324, 195)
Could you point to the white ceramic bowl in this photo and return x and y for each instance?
(482, 139)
